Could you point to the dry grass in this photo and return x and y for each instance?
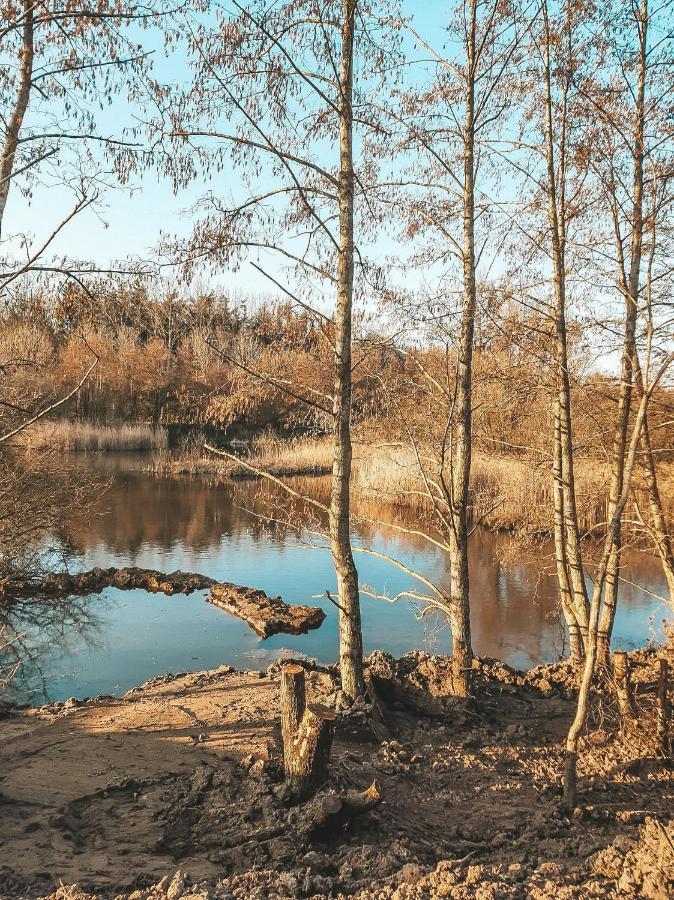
(278, 456)
(298, 456)
(83, 436)
(506, 493)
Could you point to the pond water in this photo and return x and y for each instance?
(116, 640)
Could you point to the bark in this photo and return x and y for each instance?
(562, 564)
(13, 131)
(350, 634)
(462, 443)
(631, 295)
(567, 533)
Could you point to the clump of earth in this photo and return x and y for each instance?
(175, 791)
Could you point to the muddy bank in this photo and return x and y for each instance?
(116, 796)
(265, 615)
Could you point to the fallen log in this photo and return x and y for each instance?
(97, 579)
(265, 615)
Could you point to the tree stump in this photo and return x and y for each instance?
(622, 684)
(663, 708)
(293, 705)
(308, 732)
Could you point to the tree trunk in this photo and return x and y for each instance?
(658, 522)
(462, 430)
(566, 599)
(584, 694)
(663, 708)
(12, 133)
(572, 585)
(350, 634)
(631, 295)
(621, 675)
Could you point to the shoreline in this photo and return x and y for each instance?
(509, 493)
(116, 795)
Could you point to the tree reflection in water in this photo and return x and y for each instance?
(32, 632)
(108, 644)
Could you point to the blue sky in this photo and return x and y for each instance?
(128, 221)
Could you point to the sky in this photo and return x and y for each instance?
(128, 221)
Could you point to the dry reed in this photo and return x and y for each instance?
(505, 493)
(84, 436)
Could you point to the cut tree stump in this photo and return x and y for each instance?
(308, 732)
(325, 815)
(293, 705)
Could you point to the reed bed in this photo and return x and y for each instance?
(297, 456)
(85, 437)
(282, 457)
(505, 493)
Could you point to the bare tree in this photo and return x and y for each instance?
(274, 87)
(633, 172)
(448, 190)
(648, 385)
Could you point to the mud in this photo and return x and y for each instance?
(174, 791)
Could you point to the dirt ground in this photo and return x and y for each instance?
(173, 792)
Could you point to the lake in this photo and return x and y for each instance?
(116, 640)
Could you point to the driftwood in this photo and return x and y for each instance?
(327, 814)
(307, 733)
(265, 615)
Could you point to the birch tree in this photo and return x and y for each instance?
(279, 91)
(447, 193)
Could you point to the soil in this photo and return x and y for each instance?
(174, 791)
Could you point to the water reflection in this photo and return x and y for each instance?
(112, 642)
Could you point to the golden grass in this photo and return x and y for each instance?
(505, 493)
(278, 456)
(83, 436)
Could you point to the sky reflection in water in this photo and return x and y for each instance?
(112, 642)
